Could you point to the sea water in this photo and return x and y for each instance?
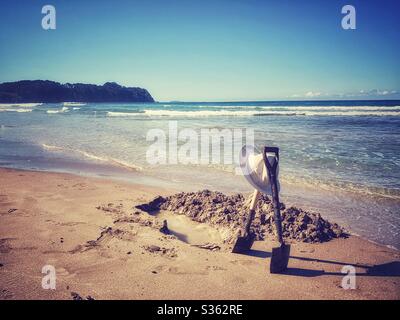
(340, 158)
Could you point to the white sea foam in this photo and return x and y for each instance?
(19, 105)
(334, 108)
(200, 113)
(89, 155)
(113, 161)
(122, 114)
(335, 186)
(248, 113)
(16, 110)
(62, 110)
(50, 147)
(302, 108)
(355, 113)
(227, 107)
(70, 104)
(125, 164)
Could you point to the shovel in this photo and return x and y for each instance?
(280, 255)
(245, 242)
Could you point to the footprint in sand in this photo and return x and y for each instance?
(5, 246)
(80, 186)
(106, 235)
(215, 268)
(111, 208)
(5, 294)
(26, 248)
(53, 252)
(239, 280)
(177, 270)
(167, 252)
(6, 206)
(70, 224)
(64, 272)
(245, 263)
(9, 208)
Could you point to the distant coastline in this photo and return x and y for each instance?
(45, 91)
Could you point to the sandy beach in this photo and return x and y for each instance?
(103, 247)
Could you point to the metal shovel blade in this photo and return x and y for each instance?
(279, 259)
(243, 244)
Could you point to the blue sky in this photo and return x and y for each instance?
(209, 50)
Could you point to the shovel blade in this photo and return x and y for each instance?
(243, 244)
(279, 259)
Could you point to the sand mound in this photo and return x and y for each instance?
(229, 212)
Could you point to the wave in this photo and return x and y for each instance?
(16, 110)
(302, 108)
(249, 113)
(112, 161)
(19, 105)
(228, 107)
(74, 104)
(336, 186)
(50, 147)
(336, 108)
(355, 113)
(124, 164)
(201, 113)
(123, 114)
(318, 183)
(62, 110)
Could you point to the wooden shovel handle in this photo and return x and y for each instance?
(252, 212)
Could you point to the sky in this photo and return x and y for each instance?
(209, 50)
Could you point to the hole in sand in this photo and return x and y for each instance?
(189, 231)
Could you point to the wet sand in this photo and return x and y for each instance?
(101, 246)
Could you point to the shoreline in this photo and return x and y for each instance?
(333, 169)
(121, 254)
(137, 178)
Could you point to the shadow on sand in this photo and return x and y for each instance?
(390, 269)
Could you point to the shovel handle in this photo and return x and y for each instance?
(252, 212)
(272, 150)
(271, 169)
(254, 199)
(277, 211)
(275, 151)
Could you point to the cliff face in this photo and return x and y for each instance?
(50, 91)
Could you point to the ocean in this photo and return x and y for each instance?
(339, 158)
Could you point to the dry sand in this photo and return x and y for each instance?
(101, 246)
